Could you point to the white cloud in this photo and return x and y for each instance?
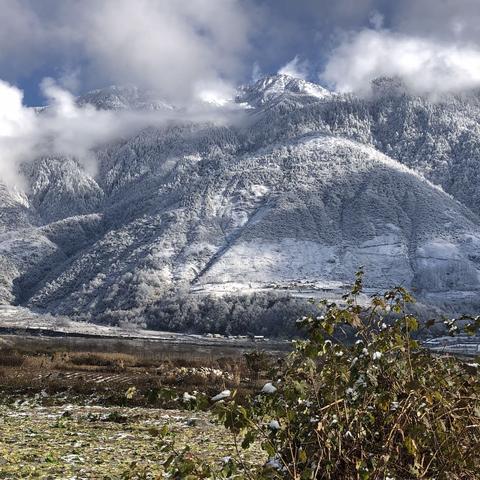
(295, 68)
(66, 129)
(376, 20)
(166, 45)
(70, 79)
(216, 93)
(186, 51)
(169, 46)
(256, 72)
(190, 50)
(62, 129)
(426, 66)
(16, 125)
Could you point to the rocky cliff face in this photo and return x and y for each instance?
(305, 188)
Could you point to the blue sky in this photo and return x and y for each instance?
(180, 46)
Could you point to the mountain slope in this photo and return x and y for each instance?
(305, 188)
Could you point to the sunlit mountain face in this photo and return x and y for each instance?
(293, 191)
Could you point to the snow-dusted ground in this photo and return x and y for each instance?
(22, 321)
(460, 345)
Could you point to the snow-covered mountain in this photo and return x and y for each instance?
(307, 187)
(124, 98)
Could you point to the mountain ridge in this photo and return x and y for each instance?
(311, 186)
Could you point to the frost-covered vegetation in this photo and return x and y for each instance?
(304, 184)
(95, 442)
(370, 405)
(67, 412)
(380, 407)
(259, 314)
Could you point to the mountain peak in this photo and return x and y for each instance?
(274, 86)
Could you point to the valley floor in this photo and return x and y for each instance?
(68, 413)
(93, 442)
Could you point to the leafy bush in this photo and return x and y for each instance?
(377, 407)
